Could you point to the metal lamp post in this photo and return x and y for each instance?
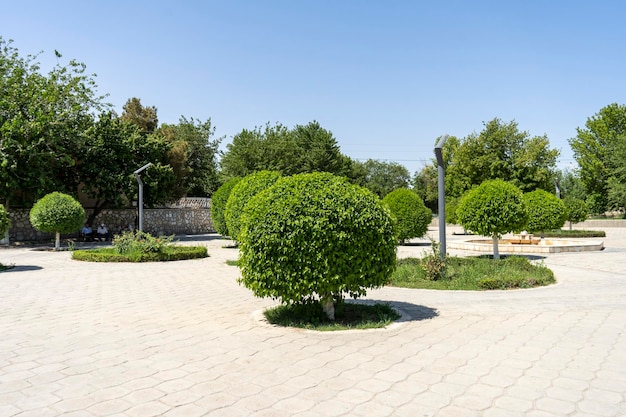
(442, 195)
(140, 204)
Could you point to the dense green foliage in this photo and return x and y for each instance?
(380, 177)
(493, 208)
(57, 212)
(43, 118)
(347, 316)
(600, 150)
(305, 148)
(474, 273)
(241, 193)
(57, 135)
(499, 151)
(138, 241)
(218, 205)
(545, 211)
(4, 221)
(576, 210)
(411, 215)
(316, 236)
(170, 253)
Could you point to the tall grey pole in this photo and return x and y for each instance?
(441, 174)
(141, 193)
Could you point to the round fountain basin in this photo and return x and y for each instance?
(548, 245)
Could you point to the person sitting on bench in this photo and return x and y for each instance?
(87, 233)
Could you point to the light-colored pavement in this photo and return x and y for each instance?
(181, 339)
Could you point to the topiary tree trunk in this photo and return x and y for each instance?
(328, 305)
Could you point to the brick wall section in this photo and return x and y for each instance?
(167, 221)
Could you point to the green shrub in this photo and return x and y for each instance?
(241, 193)
(545, 211)
(575, 233)
(493, 208)
(170, 253)
(57, 213)
(451, 205)
(433, 265)
(4, 221)
(411, 215)
(316, 236)
(218, 205)
(576, 210)
(140, 242)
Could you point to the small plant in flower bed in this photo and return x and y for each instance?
(347, 316)
(141, 247)
(474, 273)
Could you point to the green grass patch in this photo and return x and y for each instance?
(232, 262)
(575, 233)
(474, 273)
(347, 316)
(169, 253)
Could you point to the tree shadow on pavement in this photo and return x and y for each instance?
(409, 311)
(20, 268)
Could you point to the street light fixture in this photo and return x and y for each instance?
(137, 172)
(442, 195)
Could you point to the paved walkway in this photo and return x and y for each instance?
(181, 339)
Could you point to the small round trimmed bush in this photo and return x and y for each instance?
(4, 221)
(576, 210)
(57, 213)
(493, 208)
(218, 205)
(411, 215)
(316, 236)
(241, 193)
(545, 211)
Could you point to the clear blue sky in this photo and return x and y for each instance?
(386, 77)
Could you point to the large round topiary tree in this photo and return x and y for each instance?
(545, 211)
(218, 205)
(493, 208)
(411, 215)
(576, 210)
(241, 193)
(316, 236)
(57, 213)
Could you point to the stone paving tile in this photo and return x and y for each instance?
(182, 338)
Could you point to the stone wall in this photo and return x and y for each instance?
(162, 221)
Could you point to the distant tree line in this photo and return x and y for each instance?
(58, 134)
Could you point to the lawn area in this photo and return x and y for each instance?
(347, 316)
(474, 273)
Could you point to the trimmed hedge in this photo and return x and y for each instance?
(241, 193)
(219, 199)
(316, 236)
(171, 253)
(411, 215)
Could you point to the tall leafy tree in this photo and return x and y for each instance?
(42, 118)
(502, 151)
(145, 117)
(383, 177)
(192, 155)
(305, 148)
(599, 150)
